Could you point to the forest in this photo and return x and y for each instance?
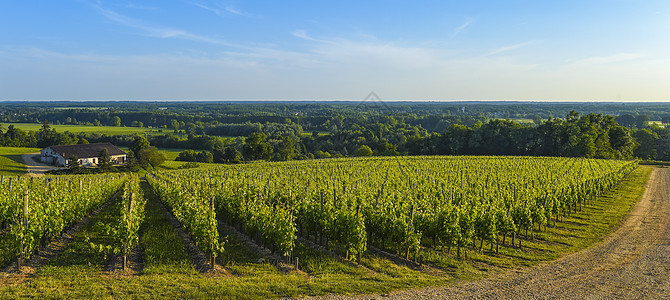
(232, 132)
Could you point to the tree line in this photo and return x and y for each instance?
(590, 135)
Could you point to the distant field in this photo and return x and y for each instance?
(11, 162)
(110, 130)
(657, 123)
(170, 153)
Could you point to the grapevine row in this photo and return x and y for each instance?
(399, 203)
(38, 209)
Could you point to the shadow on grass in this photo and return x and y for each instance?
(12, 165)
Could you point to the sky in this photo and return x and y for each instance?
(585, 50)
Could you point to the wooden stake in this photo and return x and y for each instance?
(130, 222)
(212, 216)
(22, 256)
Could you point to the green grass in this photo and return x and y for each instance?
(11, 162)
(657, 123)
(169, 275)
(171, 153)
(18, 150)
(164, 252)
(108, 130)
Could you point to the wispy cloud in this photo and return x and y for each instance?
(619, 57)
(216, 11)
(158, 31)
(221, 10)
(467, 23)
(367, 52)
(509, 48)
(302, 34)
(233, 10)
(141, 7)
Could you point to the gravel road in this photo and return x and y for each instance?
(632, 263)
(34, 168)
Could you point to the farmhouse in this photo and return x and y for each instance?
(86, 153)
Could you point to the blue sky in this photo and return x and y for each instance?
(588, 50)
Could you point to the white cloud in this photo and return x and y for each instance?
(614, 58)
(219, 10)
(158, 31)
(233, 10)
(216, 11)
(509, 48)
(467, 23)
(302, 34)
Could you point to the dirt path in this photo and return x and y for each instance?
(34, 168)
(632, 263)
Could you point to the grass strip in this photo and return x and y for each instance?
(164, 252)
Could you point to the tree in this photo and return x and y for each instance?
(622, 141)
(647, 141)
(387, 149)
(150, 156)
(231, 155)
(46, 136)
(626, 120)
(321, 154)
(104, 159)
(286, 149)
(174, 124)
(665, 120)
(145, 154)
(364, 150)
(73, 162)
(186, 155)
(642, 121)
(116, 121)
(138, 143)
(256, 147)
(204, 156)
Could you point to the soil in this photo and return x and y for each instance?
(632, 263)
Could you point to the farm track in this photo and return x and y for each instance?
(34, 168)
(632, 263)
(56, 246)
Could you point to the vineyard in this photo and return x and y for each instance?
(402, 204)
(415, 212)
(40, 209)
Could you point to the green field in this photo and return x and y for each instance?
(658, 123)
(11, 162)
(108, 130)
